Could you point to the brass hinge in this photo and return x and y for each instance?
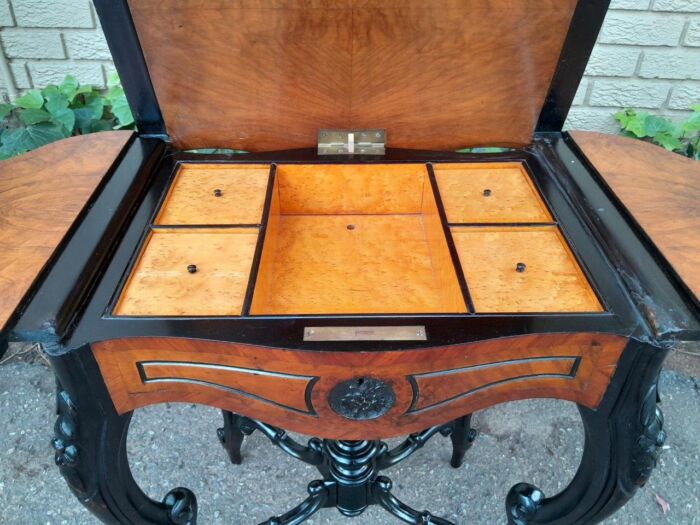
(351, 141)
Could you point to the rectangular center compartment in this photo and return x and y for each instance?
(355, 239)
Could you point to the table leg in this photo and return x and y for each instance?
(90, 451)
(623, 439)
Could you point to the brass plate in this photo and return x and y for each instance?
(365, 333)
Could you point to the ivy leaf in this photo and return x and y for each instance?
(654, 125)
(31, 137)
(66, 118)
(667, 141)
(636, 127)
(120, 109)
(623, 117)
(692, 124)
(101, 125)
(50, 91)
(34, 116)
(56, 101)
(96, 104)
(5, 109)
(113, 79)
(32, 99)
(69, 87)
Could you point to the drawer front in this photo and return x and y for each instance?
(522, 269)
(210, 194)
(189, 272)
(489, 193)
(358, 395)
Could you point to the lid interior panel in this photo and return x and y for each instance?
(270, 73)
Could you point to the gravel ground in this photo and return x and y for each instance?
(536, 441)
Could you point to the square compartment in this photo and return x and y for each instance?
(215, 194)
(489, 194)
(355, 239)
(162, 281)
(550, 279)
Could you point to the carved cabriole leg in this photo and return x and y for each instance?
(90, 450)
(623, 438)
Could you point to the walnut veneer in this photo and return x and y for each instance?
(41, 195)
(290, 388)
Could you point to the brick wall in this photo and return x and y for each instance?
(44, 40)
(647, 56)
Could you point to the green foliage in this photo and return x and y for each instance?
(39, 117)
(683, 138)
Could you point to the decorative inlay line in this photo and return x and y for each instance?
(570, 375)
(310, 381)
(144, 364)
(495, 364)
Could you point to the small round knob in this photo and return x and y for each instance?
(487, 193)
(192, 268)
(520, 267)
(218, 192)
(351, 226)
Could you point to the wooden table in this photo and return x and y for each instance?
(351, 290)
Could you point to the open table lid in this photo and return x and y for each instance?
(42, 195)
(265, 75)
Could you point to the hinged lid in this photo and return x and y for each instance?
(268, 74)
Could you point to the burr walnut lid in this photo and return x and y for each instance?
(263, 75)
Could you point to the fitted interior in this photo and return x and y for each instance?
(354, 239)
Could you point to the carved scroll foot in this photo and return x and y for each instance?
(182, 506)
(623, 439)
(232, 434)
(90, 451)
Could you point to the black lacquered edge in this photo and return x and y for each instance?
(120, 33)
(287, 331)
(255, 266)
(53, 306)
(464, 286)
(580, 40)
(670, 310)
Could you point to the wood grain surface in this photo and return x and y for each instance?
(357, 239)
(192, 198)
(661, 190)
(41, 194)
(353, 189)
(383, 265)
(489, 193)
(436, 75)
(161, 284)
(432, 386)
(552, 280)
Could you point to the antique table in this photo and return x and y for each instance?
(352, 277)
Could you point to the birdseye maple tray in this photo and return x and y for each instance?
(364, 239)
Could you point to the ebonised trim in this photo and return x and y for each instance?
(255, 266)
(443, 329)
(123, 41)
(52, 307)
(461, 278)
(583, 32)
